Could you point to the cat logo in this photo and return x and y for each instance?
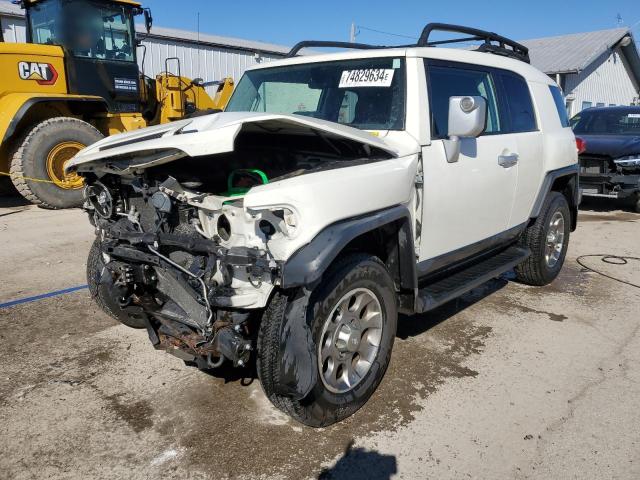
(43, 73)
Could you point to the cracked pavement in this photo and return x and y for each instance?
(508, 382)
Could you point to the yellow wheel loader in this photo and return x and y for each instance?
(76, 80)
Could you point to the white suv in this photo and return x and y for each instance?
(334, 192)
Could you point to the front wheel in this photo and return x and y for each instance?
(99, 280)
(352, 318)
(548, 239)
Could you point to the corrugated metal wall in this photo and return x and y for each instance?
(204, 61)
(606, 82)
(209, 62)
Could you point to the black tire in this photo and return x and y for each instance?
(637, 202)
(29, 162)
(100, 293)
(321, 407)
(536, 270)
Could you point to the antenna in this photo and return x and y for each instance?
(198, 49)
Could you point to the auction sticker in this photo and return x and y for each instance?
(369, 77)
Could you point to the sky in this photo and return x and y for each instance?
(287, 22)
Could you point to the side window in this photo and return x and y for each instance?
(558, 98)
(519, 104)
(447, 82)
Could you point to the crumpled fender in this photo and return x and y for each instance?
(296, 357)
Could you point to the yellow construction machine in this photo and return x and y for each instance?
(75, 80)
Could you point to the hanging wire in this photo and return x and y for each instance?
(360, 27)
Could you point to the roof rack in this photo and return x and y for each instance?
(323, 43)
(505, 46)
(493, 43)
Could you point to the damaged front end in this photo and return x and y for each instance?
(162, 267)
(183, 252)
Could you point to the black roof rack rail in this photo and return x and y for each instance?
(493, 43)
(323, 43)
(505, 46)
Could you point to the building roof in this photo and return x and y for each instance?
(9, 9)
(572, 53)
(216, 40)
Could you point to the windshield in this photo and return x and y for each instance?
(607, 122)
(367, 93)
(87, 29)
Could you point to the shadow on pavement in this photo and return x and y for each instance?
(361, 464)
(412, 326)
(408, 326)
(13, 201)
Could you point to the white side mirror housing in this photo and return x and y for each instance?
(467, 119)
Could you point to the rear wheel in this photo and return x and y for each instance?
(37, 167)
(353, 327)
(548, 239)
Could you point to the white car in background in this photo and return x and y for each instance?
(335, 191)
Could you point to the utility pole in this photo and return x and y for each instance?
(352, 33)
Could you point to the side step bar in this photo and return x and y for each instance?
(442, 291)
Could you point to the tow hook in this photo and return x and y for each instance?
(233, 346)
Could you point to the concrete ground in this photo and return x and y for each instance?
(508, 382)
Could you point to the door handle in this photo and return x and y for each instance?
(509, 160)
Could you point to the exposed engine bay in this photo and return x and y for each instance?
(182, 254)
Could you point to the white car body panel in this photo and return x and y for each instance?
(214, 134)
(323, 198)
(480, 204)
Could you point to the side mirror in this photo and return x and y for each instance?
(148, 19)
(467, 119)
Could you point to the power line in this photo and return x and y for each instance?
(360, 27)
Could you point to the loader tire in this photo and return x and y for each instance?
(37, 165)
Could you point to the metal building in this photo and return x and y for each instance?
(594, 69)
(209, 57)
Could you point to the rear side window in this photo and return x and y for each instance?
(447, 82)
(522, 117)
(558, 98)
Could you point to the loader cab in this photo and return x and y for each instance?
(99, 41)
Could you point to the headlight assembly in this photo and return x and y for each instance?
(277, 220)
(630, 161)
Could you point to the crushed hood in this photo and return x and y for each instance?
(210, 135)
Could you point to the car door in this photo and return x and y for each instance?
(466, 204)
(523, 126)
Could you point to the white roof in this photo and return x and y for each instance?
(436, 53)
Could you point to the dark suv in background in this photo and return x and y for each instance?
(609, 142)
